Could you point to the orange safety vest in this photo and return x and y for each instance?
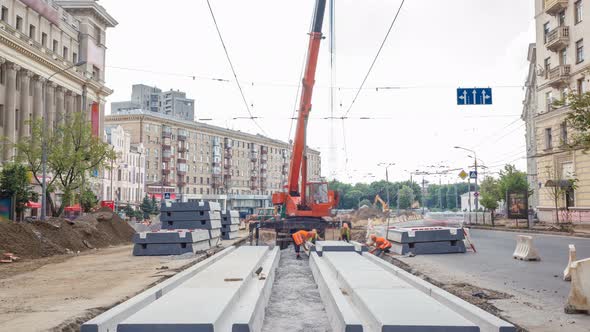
(302, 236)
(382, 243)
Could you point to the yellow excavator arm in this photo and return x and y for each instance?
(384, 205)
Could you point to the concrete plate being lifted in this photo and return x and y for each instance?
(171, 236)
(424, 248)
(425, 234)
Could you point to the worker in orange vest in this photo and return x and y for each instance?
(301, 237)
(345, 233)
(381, 245)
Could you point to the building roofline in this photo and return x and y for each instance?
(89, 4)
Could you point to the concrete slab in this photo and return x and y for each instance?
(425, 234)
(108, 321)
(215, 233)
(189, 215)
(191, 206)
(181, 236)
(229, 235)
(201, 302)
(203, 224)
(230, 228)
(424, 248)
(167, 249)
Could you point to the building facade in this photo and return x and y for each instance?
(529, 112)
(148, 98)
(562, 30)
(39, 38)
(124, 181)
(192, 160)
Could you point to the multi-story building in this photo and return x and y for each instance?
(41, 39)
(148, 98)
(124, 180)
(529, 112)
(563, 27)
(193, 161)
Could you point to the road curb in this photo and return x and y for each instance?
(531, 231)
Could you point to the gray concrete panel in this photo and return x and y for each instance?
(167, 249)
(189, 215)
(215, 233)
(203, 224)
(230, 228)
(425, 248)
(426, 234)
(229, 235)
(171, 236)
(191, 206)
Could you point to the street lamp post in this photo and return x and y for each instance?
(387, 165)
(476, 199)
(44, 143)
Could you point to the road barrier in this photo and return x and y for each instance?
(468, 241)
(572, 258)
(579, 297)
(525, 249)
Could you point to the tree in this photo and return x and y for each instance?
(354, 197)
(512, 180)
(88, 200)
(72, 152)
(155, 208)
(146, 207)
(490, 194)
(578, 119)
(405, 197)
(129, 212)
(15, 181)
(557, 188)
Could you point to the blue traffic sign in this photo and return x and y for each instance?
(474, 96)
(166, 195)
(472, 174)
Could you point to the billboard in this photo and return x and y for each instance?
(95, 119)
(517, 204)
(5, 209)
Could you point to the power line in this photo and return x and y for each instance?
(376, 57)
(233, 69)
(485, 139)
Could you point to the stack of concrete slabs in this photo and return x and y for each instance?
(427, 240)
(230, 224)
(165, 243)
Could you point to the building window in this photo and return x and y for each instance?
(563, 133)
(563, 57)
(32, 31)
(578, 11)
(44, 39)
(561, 18)
(95, 73)
(1, 115)
(55, 45)
(201, 191)
(547, 63)
(581, 86)
(546, 30)
(201, 180)
(74, 57)
(4, 15)
(19, 23)
(580, 51)
(549, 101)
(16, 119)
(65, 53)
(548, 139)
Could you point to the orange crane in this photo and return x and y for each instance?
(304, 204)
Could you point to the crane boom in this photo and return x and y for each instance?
(299, 143)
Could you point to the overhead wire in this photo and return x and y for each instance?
(233, 69)
(376, 57)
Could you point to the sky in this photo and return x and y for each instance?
(434, 48)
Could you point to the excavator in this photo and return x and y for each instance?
(304, 204)
(384, 206)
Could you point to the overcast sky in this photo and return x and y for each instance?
(435, 47)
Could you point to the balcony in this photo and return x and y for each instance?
(553, 7)
(167, 183)
(166, 132)
(166, 157)
(166, 147)
(559, 76)
(228, 153)
(182, 149)
(181, 181)
(254, 156)
(558, 39)
(165, 171)
(227, 165)
(180, 160)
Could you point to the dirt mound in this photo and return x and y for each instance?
(59, 236)
(366, 212)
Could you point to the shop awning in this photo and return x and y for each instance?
(33, 205)
(73, 208)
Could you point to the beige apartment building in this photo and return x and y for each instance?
(194, 161)
(563, 30)
(39, 38)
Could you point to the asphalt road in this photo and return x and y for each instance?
(538, 285)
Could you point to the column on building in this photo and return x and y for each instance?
(25, 104)
(38, 83)
(70, 100)
(59, 106)
(10, 110)
(50, 106)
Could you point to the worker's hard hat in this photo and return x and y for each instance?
(373, 236)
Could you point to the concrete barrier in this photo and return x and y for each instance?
(579, 297)
(341, 315)
(572, 258)
(486, 321)
(108, 321)
(525, 250)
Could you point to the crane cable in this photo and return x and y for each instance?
(376, 57)
(233, 69)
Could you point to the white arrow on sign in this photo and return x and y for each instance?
(464, 97)
(485, 96)
(474, 96)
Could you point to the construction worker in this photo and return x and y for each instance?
(381, 245)
(301, 237)
(345, 233)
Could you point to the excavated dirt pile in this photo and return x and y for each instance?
(58, 236)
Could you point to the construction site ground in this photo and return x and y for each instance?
(531, 295)
(61, 292)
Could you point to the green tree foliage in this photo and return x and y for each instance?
(405, 197)
(146, 207)
(512, 180)
(578, 119)
(88, 200)
(72, 152)
(490, 193)
(155, 207)
(15, 181)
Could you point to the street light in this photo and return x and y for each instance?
(44, 144)
(387, 165)
(475, 158)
